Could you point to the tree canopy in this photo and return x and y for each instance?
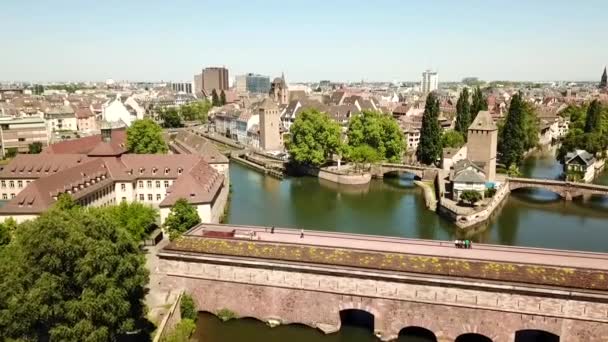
(588, 129)
(429, 148)
(452, 139)
(137, 218)
(479, 102)
(35, 147)
(222, 98)
(463, 113)
(145, 137)
(71, 275)
(182, 217)
(196, 110)
(215, 100)
(378, 131)
(470, 196)
(513, 134)
(314, 138)
(171, 118)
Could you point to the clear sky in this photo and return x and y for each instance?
(80, 40)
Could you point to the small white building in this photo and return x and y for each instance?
(467, 176)
(115, 111)
(579, 166)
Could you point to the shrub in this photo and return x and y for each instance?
(226, 315)
(182, 331)
(490, 192)
(187, 307)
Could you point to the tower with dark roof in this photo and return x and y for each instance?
(482, 142)
(604, 80)
(279, 91)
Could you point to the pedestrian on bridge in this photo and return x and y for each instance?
(301, 233)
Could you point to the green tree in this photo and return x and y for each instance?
(314, 138)
(71, 275)
(363, 154)
(215, 100)
(470, 196)
(145, 137)
(531, 126)
(35, 147)
(593, 119)
(513, 139)
(479, 102)
(182, 217)
(171, 118)
(378, 131)
(513, 171)
(222, 98)
(453, 139)
(429, 148)
(10, 152)
(463, 112)
(137, 218)
(197, 110)
(187, 307)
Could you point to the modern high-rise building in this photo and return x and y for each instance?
(213, 78)
(253, 83)
(430, 81)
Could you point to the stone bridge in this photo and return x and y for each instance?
(567, 190)
(378, 171)
(488, 293)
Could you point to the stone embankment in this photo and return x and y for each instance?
(429, 194)
(465, 217)
(345, 175)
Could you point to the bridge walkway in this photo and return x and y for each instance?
(427, 248)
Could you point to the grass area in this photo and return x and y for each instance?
(501, 271)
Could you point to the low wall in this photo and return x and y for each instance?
(169, 322)
(466, 221)
(344, 178)
(429, 195)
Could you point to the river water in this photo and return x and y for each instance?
(395, 207)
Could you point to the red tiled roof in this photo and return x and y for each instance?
(33, 166)
(86, 144)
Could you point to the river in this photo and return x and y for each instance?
(395, 207)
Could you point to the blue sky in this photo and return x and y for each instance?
(308, 40)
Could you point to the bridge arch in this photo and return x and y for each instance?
(419, 333)
(359, 318)
(533, 335)
(390, 172)
(473, 337)
(519, 186)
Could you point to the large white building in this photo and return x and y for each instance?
(430, 81)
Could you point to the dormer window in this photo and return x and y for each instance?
(179, 170)
(166, 170)
(141, 170)
(154, 170)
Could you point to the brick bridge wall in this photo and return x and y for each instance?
(315, 299)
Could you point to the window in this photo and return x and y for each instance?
(158, 184)
(4, 184)
(21, 139)
(27, 182)
(149, 197)
(123, 186)
(149, 184)
(4, 196)
(166, 184)
(141, 197)
(179, 171)
(12, 195)
(20, 184)
(11, 184)
(124, 199)
(141, 184)
(158, 197)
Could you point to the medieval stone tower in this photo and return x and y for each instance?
(279, 91)
(482, 143)
(270, 129)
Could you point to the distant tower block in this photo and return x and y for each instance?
(482, 144)
(270, 129)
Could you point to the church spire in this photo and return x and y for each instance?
(604, 81)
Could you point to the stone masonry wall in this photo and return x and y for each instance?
(316, 300)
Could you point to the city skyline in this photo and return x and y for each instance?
(384, 41)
